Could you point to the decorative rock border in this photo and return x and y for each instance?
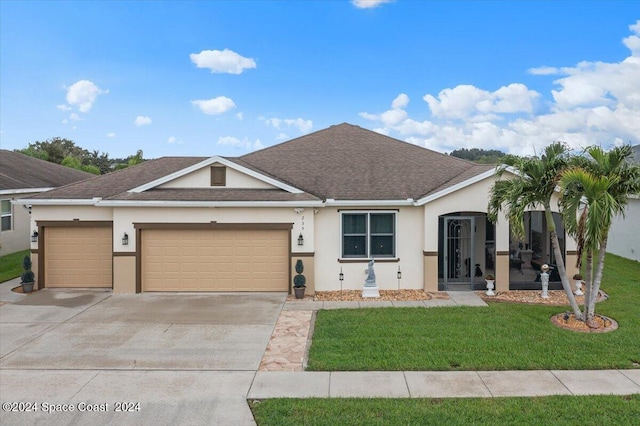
(609, 324)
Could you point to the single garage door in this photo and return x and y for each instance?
(215, 260)
(78, 257)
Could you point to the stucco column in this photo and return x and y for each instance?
(502, 253)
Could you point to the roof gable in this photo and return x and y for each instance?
(184, 173)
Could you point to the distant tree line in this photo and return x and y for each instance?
(67, 153)
(483, 156)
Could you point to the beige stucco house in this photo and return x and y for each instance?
(334, 199)
(23, 176)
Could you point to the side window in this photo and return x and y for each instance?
(5, 215)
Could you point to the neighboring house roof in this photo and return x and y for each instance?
(342, 162)
(636, 153)
(19, 171)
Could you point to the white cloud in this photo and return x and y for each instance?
(82, 94)
(465, 101)
(400, 101)
(282, 137)
(591, 103)
(111, 135)
(633, 41)
(244, 144)
(303, 126)
(543, 70)
(142, 120)
(215, 106)
(63, 107)
(369, 4)
(65, 121)
(172, 139)
(222, 61)
(74, 116)
(240, 116)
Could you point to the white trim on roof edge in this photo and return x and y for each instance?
(54, 202)
(23, 190)
(369, 203)
(212, 160)
(477, 178)
(131, 203)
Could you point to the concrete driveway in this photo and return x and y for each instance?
(185, 358)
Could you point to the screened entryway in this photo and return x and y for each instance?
(528, 254)
(466, 251)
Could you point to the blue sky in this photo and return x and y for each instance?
(229, 77)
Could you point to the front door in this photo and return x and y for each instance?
(459, 262)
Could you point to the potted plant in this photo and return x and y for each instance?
(299, 280)
(490, 279)
(27, 277)
(577, 280)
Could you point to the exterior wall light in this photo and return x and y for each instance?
(300, 240)
(125, 239)
(34, 237)
(399, 273)
(341, 275)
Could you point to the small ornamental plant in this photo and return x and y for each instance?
(299, 280)
(490, 277)
(577, 277)
(27, 276)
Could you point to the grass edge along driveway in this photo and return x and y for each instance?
(500, 337)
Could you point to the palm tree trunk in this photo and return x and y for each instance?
(597, 280)
(551, 227)
(588, 284)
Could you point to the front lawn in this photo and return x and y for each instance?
(11, 265)
(551, 410)
(500, 337)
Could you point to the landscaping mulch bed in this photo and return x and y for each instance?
(600, 324)
(392, 295)
(556, 297)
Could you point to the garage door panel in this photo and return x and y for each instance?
(78, 257)
(217, 260)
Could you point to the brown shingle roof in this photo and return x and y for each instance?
(351, 163)
(19, 171)
(343, 162)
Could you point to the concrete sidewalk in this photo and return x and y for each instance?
(442, 384)
(456, 298)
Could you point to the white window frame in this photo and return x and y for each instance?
(3, 215)
(368, 234)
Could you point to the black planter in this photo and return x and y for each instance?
(299, 292)
(27, 287)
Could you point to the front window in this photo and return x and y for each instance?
(6, 215)
(370, 234)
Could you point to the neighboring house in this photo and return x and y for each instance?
(334, 199)
(624, 237)
(22, 176)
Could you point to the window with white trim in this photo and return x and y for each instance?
(368, 234)
(5, 215)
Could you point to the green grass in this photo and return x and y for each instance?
(11, 265)
(552, 410)
(500, 337)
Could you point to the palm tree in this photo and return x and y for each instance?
(534, 182)
(593, 192)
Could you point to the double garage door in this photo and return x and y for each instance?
(215, 260)
(172, 260)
